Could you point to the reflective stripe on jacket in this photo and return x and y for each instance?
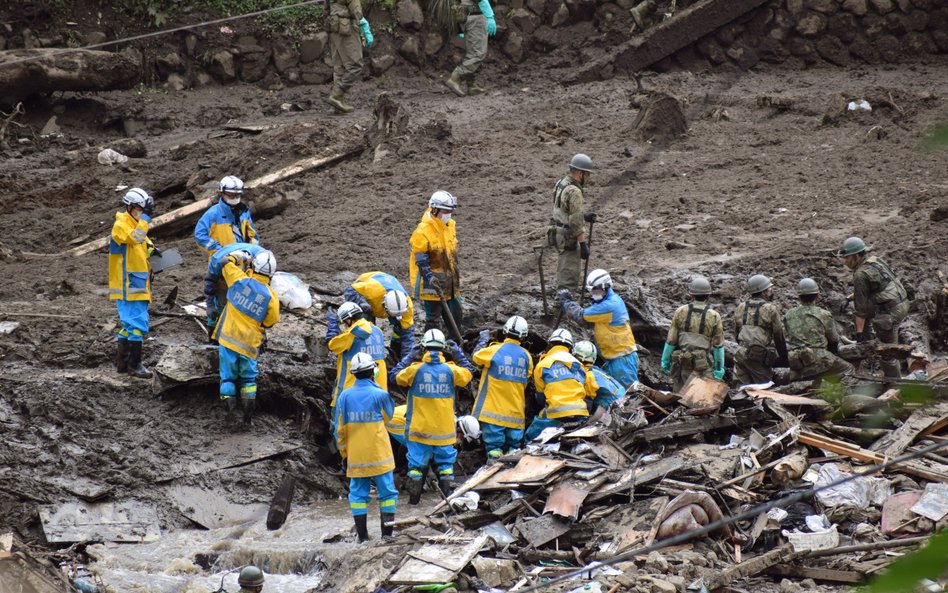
(440, 242)
(361, 336)
(431, 384)
(561, 379)
(129, 269)
(361, 413)
(252, 306)
(611, 327)
(601, 388)
(373, 286)
(218, 227)
(507, 369)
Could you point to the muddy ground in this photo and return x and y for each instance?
(749, 189)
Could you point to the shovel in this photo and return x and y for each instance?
(582, 293)
(447, 313)
(538, 252)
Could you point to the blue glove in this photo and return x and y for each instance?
(459, 358)
(718, 362)
(482, 338)
(332, 324)
(486, 10)
(353, 296)
(491, 26)
(569, 307)
(562, 295)
(366, 32)
(667, 358)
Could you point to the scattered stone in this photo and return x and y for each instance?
(254, 61)
(285, 56)
(169, 62)
(130, 147)
(919, 43)
(581, 10)
(916, 20)
(876, 133)
(94, 38)
(661, 119)
(315, 73)
(833, 50)
(560, 17)
(811, 25)
(50, 128)
(311, 48)
(409, 15)
(663, 586)
(513, 47)
(382, 62)
(843, 25)
(883, 6)
(729, 33)
(525, 20)
(221, 65)
(433, 43)
(245, 41)
(824, 6)
(202, 79)
(795, 7)
(538, 7)
(744, 56)
(863, 50)
(30, 40)
(711, 49)
(889, 48)
(176, 82)
(857, 7)
(411, 50)
(939, 214)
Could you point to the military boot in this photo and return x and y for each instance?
(387, 529)
(135, 367)
(121, 358)
(474, 89)
(456, 85)
(446, 484)
(336, 98)
(414, 491)
(362, 527)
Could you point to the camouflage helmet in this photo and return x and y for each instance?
(807, 286)
(852, 246)
(699, 286)
(758, 283)
(250, 576)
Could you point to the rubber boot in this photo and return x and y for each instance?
(121, 358)
(414, 491)
(135, 367)
(387, 530)
(230, 404)
(455, 83)
(336, 99)
(250, 405)
(446, 484)
(473, 88)
(362, 527)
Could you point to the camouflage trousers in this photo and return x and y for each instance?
(812, 363)
(886, 328)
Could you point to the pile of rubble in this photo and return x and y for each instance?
(588, 502)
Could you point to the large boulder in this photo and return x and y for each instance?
(313, 46)
(254, 61)
(222, 66)
(409, 15)
(285, 56)
(525, 20)
(513, 47)
(411, 50)
(433, 43)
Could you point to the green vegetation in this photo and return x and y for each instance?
(937, 139)
(290, 22)
(905, 574)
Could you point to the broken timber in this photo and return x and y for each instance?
(674, 430)
(935, 472)
(750, 567)
(24, 72)
(664, 39)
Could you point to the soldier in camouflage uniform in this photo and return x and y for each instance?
(812, 337)
(566, 232)
(477, 19)
(345, 46)
(695, 339)
(879, 299)
(759, 331)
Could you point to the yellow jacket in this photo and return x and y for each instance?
(507, 369)
(252, 306)
(561, 378)
(373, 286)
(361, 414)
(222, 225)
(396, 424)
(610, 321)
(440, 242)
(129, 270)
(361, 336)
(431, 384)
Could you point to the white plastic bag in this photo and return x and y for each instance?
(111, 157)
(858, 493)
(293, 292)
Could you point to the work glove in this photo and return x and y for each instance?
(590, 217)
(718, 354)
(860, 337)
(491, 26)
(483, 337)
(562, 295)
(667, 358)
(584, 250)
(452, 346)
(434, 282)
(366, 32)
(488, 12)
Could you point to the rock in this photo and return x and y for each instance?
(939, 214)
(30, 40)
(382, 62)
(560, 17)
(795, 7)
(663, 586)
(312, 47)
(919, 43)
(271, 81)
(411, 50)
(608, 13)
(546, 39)
(190, 45)
(916, 20)
(409, 15)
(844, 26)
(169, 62)
(133, 148)
(744, 56)
(656, 562)
(94, 38)
(892, 23)
(940, 38)
(689, 59)
(582, 10)
(433, 43)
(872, 25)
(824, 6)
(889, 48)
(247, 41)
(513, 47)
(254, 61)
(176, 82)
(285, 56)
(728, 33)
(833, 50)
(788, 586)
(525, 20)
(923, 4)
(50, 128)
(315, 73)
(202, 79)
(772, 51)
(863, 50)
(711, 49)
(811, 25)
(221, 65)
(803, 48)
(857, 7)
(875, 133)
(883, 6)
(538, 7)
(904, 5)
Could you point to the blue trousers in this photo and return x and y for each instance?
(133, 315)
(500, 439)
(420, 455)
(360, 493)
(624, 369)
(236, 368)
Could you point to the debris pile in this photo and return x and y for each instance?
(705, 470)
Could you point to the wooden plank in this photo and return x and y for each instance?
(750, 567)
(674, 430)
(817, 574)
(437, 563)
(210, 509)
(112, 522)
(895, 443)
(933, 471)
(702, 392)
(784, 399)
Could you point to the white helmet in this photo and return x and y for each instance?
(470, 428)
(516, 327)
(264, 263)
(585, 351)
(348, 310)
(561, 336)
(433, 339)
(362, 361)
(136, 197)
(442, 200)
(598, 279)
(231, 185)
(396, 303)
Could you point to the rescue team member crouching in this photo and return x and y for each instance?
(601, 389)
(347, 334)
(560, 378)
(382, 295)
(215, 289)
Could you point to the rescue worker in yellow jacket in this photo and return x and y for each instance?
(252, 307)
(130, 279)
(362, 413)
(430, 425)
(433, 266)
(610, 320)
(562, 381)
(695, 341)
(602, 390)
(500, 406)
(382, 295)
(228, 221)
(347, 334)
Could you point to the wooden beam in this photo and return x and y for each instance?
(930, 471)
(750, 567)
(817, 574)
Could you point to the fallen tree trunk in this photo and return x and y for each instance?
(25, 72)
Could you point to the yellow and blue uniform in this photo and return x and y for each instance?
(222, 225)
(429, 419)
(361, 336)
(434, 254)
(368, 291)
(613, 333)
(130, 274)
(396, 424)
(601, 389)
(499, 406)
(252, 306)
(215, 289)
(562, 381)
(362, 412)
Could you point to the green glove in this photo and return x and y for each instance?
(718, 362)
(667, 358)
